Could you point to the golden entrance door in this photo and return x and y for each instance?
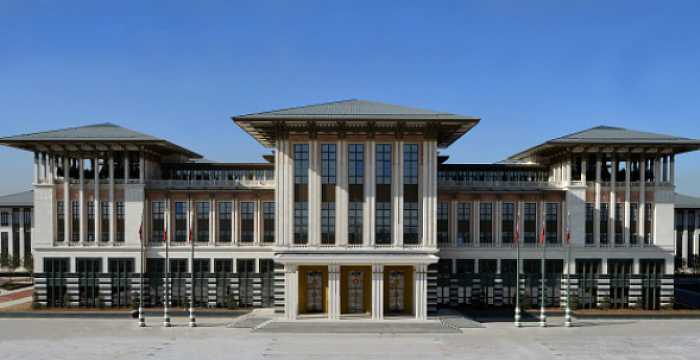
(398, 290)
(313, 285)
(356, 299)
(355, 289)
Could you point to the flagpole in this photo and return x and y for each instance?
(517, 270)
(567, 311)
(543, 317)
(192, 323)
(166, 296)
(142, 319)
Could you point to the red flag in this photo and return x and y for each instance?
(517, 229)
(568, 233)
(165, 232)
(141, 231)
(542, 235)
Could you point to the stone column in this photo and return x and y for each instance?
(212, 221)
(291, 286)
(377, 292)
(81, 194)
(111, 198)
(641, 208)
(370, 190)
(421, 291)
(672, 170)
(684, 237)
(628, 175)
(613, 202)
(98, 208)
(236, 229)
(126, 167)
(596, 212)
(453, 222)
(314, 194)
(66, 201)
(341, 194)
(36, 167)
(497, 214)
(142, 167)
(334, 292)
(476, 215)
(397, 193)
(657, 170)
(584, 169)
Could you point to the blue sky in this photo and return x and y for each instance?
(531, 70)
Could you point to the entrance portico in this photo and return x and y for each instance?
(355, 288)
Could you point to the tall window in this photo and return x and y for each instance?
(120, 221)
(464, 224)
(4, 219)
(486, 223)
(355, 223)
(356, 198)
(411, 219)
(4, 245)
(28, 232)
(383, 194)
(75, 214)
(247, 221)
(104, 221)
(60, 221)
(268, 222)
(552, 223)
(619, 223)
(181, 233)
(91, 221)
(157, 221)
(648, 216)
(203, 221)
(224, 215)
(589, 223)
(530, 223)
(301, 190)
(507, 222)
(634, 220)
(328, 181)
(443, 223)
(604, 218)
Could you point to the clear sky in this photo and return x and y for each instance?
(532, 70)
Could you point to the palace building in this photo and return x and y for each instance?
(354, 213)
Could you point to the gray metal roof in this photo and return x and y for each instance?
(616, 135)
(355, 109)
(104, 131)
(687, 202)
(609, 135)
(97, 133)
(22, 199)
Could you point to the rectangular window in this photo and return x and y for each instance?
(619, 223)
(301, 206)
(443, 223)
(507, 223)
(410, 223)
(268, 222)
(104, 221)
(383, 223)
(411, 217)
(203, 221)
(552, 223)
(604, 217)
(356, 164)
(120, 221)
(530, 223)
(355, 212)
(327, 223)
(464, 224)
(224, 214)
(75, 214)
(247, 221)
(328, 180)
(648, 216)
(486, 223)
(634, 220)
(356, 177)
(157, 221)
(589, 223)
(4, 219)
(91, 221)
(60, 221)
(383, 196)
(4, 245)
(181, 234)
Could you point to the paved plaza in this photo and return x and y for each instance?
(216, 339)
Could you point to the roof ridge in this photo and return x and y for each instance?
(300, 107)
